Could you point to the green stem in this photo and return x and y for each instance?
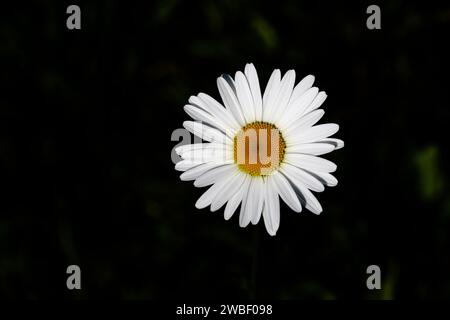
(254, 266)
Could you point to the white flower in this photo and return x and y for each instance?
(259, 148)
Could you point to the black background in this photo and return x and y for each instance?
(86, 118)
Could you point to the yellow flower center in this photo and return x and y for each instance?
(259, 148)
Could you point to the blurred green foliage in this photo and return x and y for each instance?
(430, 174)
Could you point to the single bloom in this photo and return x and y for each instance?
(257, 148)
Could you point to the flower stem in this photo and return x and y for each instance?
(254, 266)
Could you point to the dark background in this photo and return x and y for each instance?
(86, 118)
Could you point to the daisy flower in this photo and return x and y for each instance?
(257, 148)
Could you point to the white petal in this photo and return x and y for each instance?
(217, 155)
(303, 123)
(228, 191)
(245, 97)
(315, 149)
(271, 94)
(206, 132)
(195, 172)
(302, 87)
(222, 184)
(258, 199)
(271, 211)
(203, 116)
(180, 149)
(311, 163)
(252, 77)
(216, 109)
(216, 190)
(217, 152)
(310, 201)
(230, 100)
(246, 206)
(196, 101)
(202, 146)
(229, 79)
(315, 133)
(326, 178)
(287, 84)
(184, 165)
(233, 203)
(297, 108)
(207, 197)
(300, 176)
(214, 175)
(337, 143)
(317, 102)
(286, 192)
